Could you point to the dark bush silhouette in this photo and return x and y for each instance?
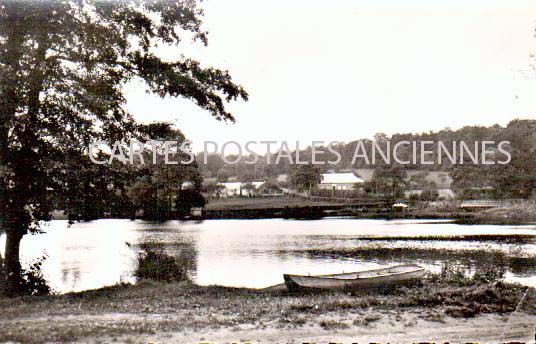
(155, 264)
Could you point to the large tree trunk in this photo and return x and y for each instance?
(8, 106)
(15, 219)
(12, 267)
(14, 228)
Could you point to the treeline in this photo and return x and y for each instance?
(122, 190)
(515, 179)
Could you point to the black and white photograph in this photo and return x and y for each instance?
(268, 172)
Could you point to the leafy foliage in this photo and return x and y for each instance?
(34, 283)
(489, 272)
(155, 264)
(63, 65)
(429, 195)
(158, 187)
(305, 177)
(187, 199)
(388, 181)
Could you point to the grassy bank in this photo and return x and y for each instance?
(261, 203)
(524, 213)
(271, 209)
(297, 207)
(151, 308)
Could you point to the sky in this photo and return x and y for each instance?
(343, 70)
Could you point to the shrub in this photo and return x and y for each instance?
(155, 264)
(32, 280)
(34, 283)
(489, 273)
(451, 274)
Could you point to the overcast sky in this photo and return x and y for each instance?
(344, 70)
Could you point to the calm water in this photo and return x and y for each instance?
(255, 253)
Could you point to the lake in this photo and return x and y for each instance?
(256, 253)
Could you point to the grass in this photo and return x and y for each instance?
(261, 203)
(151, 307)
(524, 213)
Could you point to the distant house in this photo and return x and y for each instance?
(339, 181)
(257, 184)
(211, 188)
(251, 188)
(231, 189)
(271, 188)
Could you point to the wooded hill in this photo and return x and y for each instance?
(517, 179)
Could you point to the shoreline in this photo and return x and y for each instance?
(290, 208)
(295, 207)
(252, 214)
(188, 313)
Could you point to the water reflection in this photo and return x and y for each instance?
(85, 256)
(255, 253)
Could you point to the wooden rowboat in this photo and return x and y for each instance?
(376, 278)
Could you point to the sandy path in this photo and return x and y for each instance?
(409, 328)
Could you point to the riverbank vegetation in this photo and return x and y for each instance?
(508, 214)
(261, 207)
(159, 266)
(155, 308)
(165, 261)
(262, 203)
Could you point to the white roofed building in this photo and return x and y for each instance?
(251, 188)
(339, 181)
(231, 189)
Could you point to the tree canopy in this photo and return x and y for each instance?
(63, 67)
